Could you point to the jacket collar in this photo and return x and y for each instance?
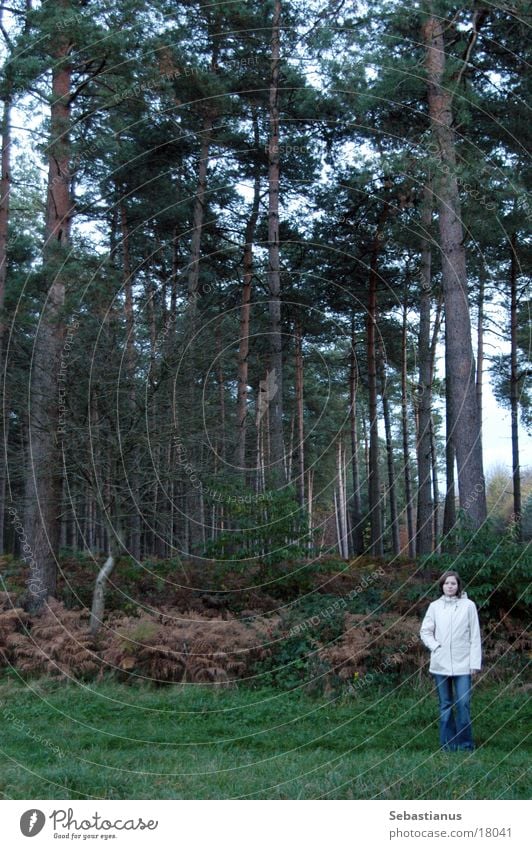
(447, 600)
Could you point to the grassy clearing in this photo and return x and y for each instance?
(112, 741)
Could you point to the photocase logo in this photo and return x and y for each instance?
(32, 822)
(268, 389)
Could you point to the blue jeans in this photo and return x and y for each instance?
(454, 694)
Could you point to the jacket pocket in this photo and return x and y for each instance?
(460, 655)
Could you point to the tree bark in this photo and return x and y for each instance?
(394, 521)
(459, 359)
(449, 511)
(404, 415)
(374, 493)
(47, 410)
(514, 389)
(300, 480)
(357, 540)
(275, 391)
(134, 542)
(245, 309)
(480, 350)
(100, 585)
(435, 490)
(5, 190)
(198, 213)
(424, 540)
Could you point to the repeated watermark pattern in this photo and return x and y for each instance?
(62, 375)
(388, 664)
(20, 725)
(340, 604)
(181, 459)
(34, 582)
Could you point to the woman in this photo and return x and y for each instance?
(451, 631)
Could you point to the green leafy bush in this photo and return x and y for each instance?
(269, 528)
(495, 568)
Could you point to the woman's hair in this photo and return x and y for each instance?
(451, 574)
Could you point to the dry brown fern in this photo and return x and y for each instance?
(172, 646)
(57, 644)
(382, 643)
(13, 620)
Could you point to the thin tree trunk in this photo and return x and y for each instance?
(357, 541)
(290, 453)
(394, 521)
(300, 481)
(134, 545)
(5, 190)
(100, 585)
(275, 390)
(46, 427)
(243, 344)
(310, 506)
(342, 502)
(374, 493)
(435, 491)
(424, 541)
(459, 360)
(449, 512)
(406, 446)
(480, 350)
(221, 388)
(198, 214)
(514, 389)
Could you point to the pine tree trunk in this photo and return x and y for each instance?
(47, 411)
(221, 390)
(449, 512)
(406, 445)
(480, 350)
(424, 541)
(435, 490)
(243, 344)
(374, 493)
(342, 502)
(514, 389)
(198, 214)
(134, 542)
(394, 521)
(459, 360)
(300, 480)
(5, 189)
(275, 389)
(357, 541)
(310, 505)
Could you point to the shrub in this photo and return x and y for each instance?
(269, 529)
(495, 568)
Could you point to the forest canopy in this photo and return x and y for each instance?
(253, 258)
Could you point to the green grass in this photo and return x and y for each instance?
(113, 741)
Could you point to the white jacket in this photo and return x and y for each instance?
(451, 631)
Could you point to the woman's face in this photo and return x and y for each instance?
(450, 586)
